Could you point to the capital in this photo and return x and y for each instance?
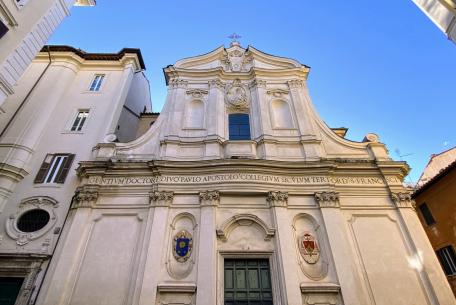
(85, 197)
(295, 83)
(403, 200)
(327, 199)
(209, 198)
(277, 199)
(161, 198)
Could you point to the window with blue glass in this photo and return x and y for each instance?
(239, 126)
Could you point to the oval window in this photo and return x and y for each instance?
(33, 220)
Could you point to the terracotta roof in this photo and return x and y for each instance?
(434, 179)
(96, 56)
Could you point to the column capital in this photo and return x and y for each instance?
(209, 198)
(403, 200)
(178, 83)
(216, 83)
(161, 198)
(295, 83)
(259, 83)
(277, 199)
(327, 199)
(85, 197)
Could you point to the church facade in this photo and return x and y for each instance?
(240, 194)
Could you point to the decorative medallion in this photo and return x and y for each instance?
(183, 243)
(308, 247)
(236, 96)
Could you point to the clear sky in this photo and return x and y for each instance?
(379, 66)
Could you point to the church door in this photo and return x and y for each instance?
(247, 282)
(9, 289)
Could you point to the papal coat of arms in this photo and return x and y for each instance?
(183, 243)
(308, 247)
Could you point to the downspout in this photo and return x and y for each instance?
(28, 94)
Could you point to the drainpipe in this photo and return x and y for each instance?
(28, 94)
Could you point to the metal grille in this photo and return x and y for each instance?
(247, 282)
(33, 220)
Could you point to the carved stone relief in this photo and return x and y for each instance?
(45, 203)
(161, 198)
(237, 60)
(181, 257)
(403, 200)
(327, 199)
(237, 96)
(277, 199)
(209, 198)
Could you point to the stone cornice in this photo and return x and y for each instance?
(327, 199)
(209, 198)
(14, 173)
(277, 199)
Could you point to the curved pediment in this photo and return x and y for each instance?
(236, 59)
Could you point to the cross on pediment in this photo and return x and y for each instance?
(234, 37)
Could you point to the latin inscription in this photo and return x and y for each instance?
(233, 178)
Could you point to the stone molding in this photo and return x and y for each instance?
(277, 199)
(327, 199)
(197, 93)
(85, 198)
(161, 198)
(243, 220)
(178, 83)
(209, 198)
(295, 83)
(216, 83)
(259, 83)
(403, 200)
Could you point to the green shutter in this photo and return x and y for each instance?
(43, 169)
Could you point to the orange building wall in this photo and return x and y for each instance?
(440, 197)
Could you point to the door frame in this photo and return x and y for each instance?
(273, 271)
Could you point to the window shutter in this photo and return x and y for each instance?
(63, 172)
(43, 170)
(3, 29)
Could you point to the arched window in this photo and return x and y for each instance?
(281, 114)
(239, 126)
(194, 117)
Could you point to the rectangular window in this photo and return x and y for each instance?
(427, 215)
(80, 119)
(96, 82)
(3, 29)
(54, 168)
(239, 126)
(447, 258)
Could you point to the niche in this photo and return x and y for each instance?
(194, 115)
(281, 114)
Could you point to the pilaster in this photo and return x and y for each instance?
(352, 287)
(160, 201)
(259, 109)
(207, 254)
(278, 203)
(85, 198)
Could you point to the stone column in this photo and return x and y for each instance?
(303, 111)
(353, 291)
(286, 257)
(177, 113)
(207, 254)
(160, 200)
(260, 119)
(215, 122)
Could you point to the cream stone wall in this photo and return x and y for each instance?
(30, 24)
(42, 126)
(254, 198)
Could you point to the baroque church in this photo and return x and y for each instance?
(240, 194)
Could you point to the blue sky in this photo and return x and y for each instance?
(379, 67)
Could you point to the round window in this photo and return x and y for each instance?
(33, 220)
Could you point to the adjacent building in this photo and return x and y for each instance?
(435, 197)
(25, 26)
(67, 101)
(237, 194)
(442, 13)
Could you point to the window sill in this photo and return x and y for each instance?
(92, 92)
(48, 185)
(72, 132)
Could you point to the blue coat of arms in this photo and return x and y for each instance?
(183, 244)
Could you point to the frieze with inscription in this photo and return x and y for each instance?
(241, 177)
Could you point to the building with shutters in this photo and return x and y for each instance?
(442, 13)
(240, 194)
(435, 198)
(51, 124)
(25, 26)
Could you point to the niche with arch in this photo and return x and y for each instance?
(281, 114)
(306, 225)
(194, 115)
(180, 267)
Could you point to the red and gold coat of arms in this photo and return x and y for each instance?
(308, 247)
